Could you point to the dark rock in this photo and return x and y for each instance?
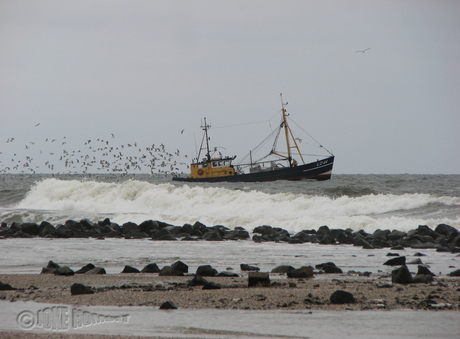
(246, 267)
(180, 266)
(211, 285)
(148, 225)
(50, 268)
(258, 278)
(188, 229)
(396, 261)
(77, 289)
(329, 267)
(344, 238)
(327, 240)
(169, 271)
(129, 227)
(206, 271)
(282, 269)
(303, 272)
(422, 278)
(227, 274)
(85, 269)
(96, 270)
(396, 235)
(30, 228)
(162, 234)
(63, 232)
(382, 235)
(200, 227)
(130, 269)
(389, 254)
(197, 280)
(448, 231)
(6, 287)
(65, 270)
(168, 305)
(342, 297)
(380, 243)
(401, 275)
(322, 231)
(151, 268)
(455, 273)
(46, 229)
(361, 241)
(418, 254)
(87, 224)
(212, 236)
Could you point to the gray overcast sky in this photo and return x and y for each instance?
(146, 70)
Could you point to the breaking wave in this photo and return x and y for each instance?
(58, 200)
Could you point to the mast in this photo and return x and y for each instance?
(285, 125)
(288, 131)
(205, 128)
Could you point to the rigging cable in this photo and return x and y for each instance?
(311, 137)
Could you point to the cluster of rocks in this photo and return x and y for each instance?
(153, 229)
(443, 237)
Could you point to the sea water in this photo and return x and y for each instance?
(366, 202)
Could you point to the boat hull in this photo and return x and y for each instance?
(318, 170)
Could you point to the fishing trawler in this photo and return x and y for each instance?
(275, 165)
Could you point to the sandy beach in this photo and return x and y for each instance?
(373, 292)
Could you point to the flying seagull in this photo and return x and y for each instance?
(362, 50)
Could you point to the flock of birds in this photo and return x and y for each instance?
(94, 156)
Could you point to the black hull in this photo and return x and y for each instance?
(318, 170)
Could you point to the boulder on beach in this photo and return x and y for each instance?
(246, 267)
(258, 278)
(398, 261)
(282, 269)
(455, 273)
(168, 305)
(329, 267)
(342, 297)
(130, 269)
(65, 270)
(206, 271)
(96, 270)
(211, 285)
(227, 274)
(6, 287)
(303, 272)
(50, 268)
(401, 275)
(151, 268)
(85, 268)
(197, 280)
(77, 289)
(169, 271)
(180, 266)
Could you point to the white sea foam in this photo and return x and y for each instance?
(138, 201)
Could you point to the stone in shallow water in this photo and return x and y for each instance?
(342, 297)
(77, 289)
(168, 305)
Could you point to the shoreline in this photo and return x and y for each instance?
(146, 289)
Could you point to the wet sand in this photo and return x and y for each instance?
(373, 292)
